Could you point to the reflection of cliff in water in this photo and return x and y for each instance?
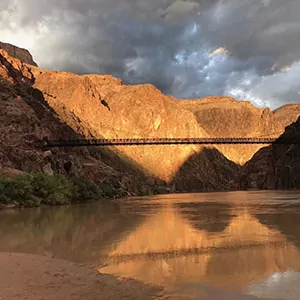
(209, 216)
(166, 249)
(284, 218)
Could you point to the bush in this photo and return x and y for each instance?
(108, 190)
(19, 190)
(53, 190)
(35, 189)
(3, 194)
(84, 191)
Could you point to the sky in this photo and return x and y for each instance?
(246, 49)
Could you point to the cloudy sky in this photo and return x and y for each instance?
(248, 49)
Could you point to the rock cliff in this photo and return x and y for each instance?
(130, 112)
(276, 166)
(26, 118)
(226, 117)
(20, 53)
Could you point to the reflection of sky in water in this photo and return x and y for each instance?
(278, 286)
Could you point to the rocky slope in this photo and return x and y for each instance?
(26, 118)
(276, 166)
(143, 111)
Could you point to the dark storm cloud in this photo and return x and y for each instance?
(168, 43)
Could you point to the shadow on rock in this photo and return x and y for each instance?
(208, 170)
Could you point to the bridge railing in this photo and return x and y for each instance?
(165, 141)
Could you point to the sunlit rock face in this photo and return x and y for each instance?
(226, 117)
(26, 118)
(140, 111)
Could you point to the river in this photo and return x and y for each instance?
(235, 243)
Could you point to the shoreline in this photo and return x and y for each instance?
(27, 276)
(33, 277)
(12, 206)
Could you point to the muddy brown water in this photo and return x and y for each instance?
(230, 244)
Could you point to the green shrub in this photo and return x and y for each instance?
(53, 190)
(35, 189)
(19, 190)
(4, 199)
(107, 190)
(84, 191)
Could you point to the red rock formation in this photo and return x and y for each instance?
(133, 112)
(26, 118)
(129, 111)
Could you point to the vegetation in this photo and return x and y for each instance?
(31, 190)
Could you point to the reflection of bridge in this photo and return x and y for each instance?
(166, 141)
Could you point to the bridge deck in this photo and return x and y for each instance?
(166, 141)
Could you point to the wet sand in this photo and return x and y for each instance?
(31, 277)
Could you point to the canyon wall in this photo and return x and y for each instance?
(26, 118)
(38, 103)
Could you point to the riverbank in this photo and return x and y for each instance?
(24, 276)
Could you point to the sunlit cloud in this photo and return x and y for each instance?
(218, 51)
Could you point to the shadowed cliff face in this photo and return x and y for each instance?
(207, 170)
(276, 166)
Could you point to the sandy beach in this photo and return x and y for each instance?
(31, 277)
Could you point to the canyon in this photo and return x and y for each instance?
(37, 103)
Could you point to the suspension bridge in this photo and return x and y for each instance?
(166, 141)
